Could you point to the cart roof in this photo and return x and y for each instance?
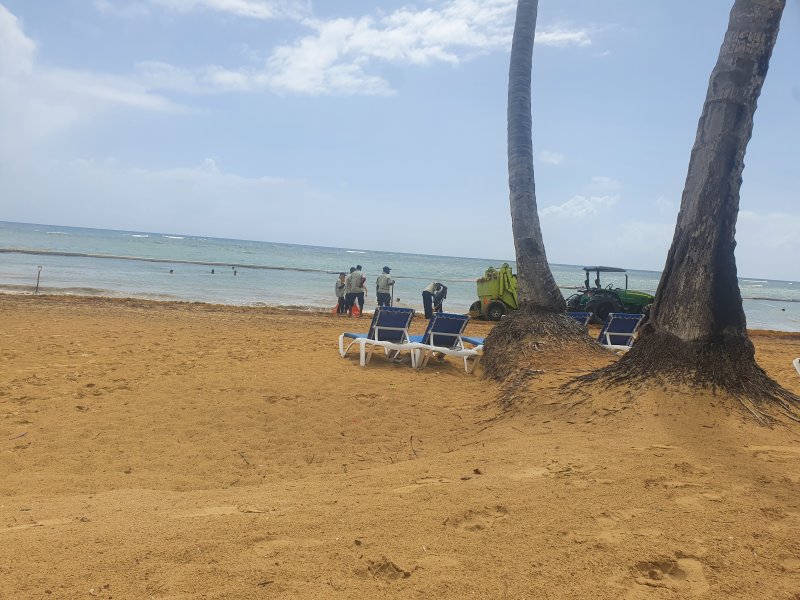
(605, 269)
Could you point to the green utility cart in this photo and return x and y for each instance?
(497, 290)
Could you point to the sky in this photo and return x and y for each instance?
(382, 125)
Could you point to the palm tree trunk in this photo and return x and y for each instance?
(535, 283)
(513, 345)
(698, 298)
(697, 330)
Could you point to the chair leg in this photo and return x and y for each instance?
(470, 367)
(362, 353)
(426, 355)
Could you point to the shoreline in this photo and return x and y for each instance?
(265, 307)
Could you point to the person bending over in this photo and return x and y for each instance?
(431, 293)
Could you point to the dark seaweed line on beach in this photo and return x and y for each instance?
(159, 260)
(180, 261)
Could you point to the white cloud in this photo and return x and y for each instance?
(562, 36)
(337, 56)
(253, 9)
(551, 158)
(581, 206)
(599, 185)
(249, 9)
(16, 49)
(126, 10)
(203, 199)
(37, 102)
(768, 245)
(665, 207)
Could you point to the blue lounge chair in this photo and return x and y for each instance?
(618, 331)
(475, 341)
(581, 317)
(444, 336)
(388, 330)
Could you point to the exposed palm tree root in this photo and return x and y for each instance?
(515, 344)
(727, 365)
(527, 341)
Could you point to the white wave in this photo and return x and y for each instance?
(173, 237)
(355, 251)
(755, 281)
(57, 233)
(141, 235)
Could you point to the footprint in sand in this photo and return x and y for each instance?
(610, 522)
(270, 546)
(530, 473)
(42, 523)
(478, 520)
(385, 569)
(421, 482)
(698, 501)
(664, 578)
(773, 453)
(217, 511)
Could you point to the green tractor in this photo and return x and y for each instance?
(497, 290)
(600, 300)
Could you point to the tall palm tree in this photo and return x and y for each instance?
(535, 282)
(697, 330)
(542, 306)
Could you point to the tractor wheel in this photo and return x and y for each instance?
(475, 309)
(574, 302)
(495, 311)
(601, 307)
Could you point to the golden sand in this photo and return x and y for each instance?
(179, 451)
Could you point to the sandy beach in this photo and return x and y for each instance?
(176, 451)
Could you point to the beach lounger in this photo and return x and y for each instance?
(796, 363)
(581, 317)
(443, 336)
(388, 330)
(475, 341)
(618, 331)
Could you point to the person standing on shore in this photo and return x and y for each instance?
(341, 303)
(383, 288)
(355, 281)
(428, 295)
(363, 279)
(348, 293)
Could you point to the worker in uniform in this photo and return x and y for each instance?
(383, 287)
(341, 303)
(356, 283)
(431, 292)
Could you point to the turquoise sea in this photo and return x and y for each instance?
(172, 267)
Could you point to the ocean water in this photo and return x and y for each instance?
(171, 267)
